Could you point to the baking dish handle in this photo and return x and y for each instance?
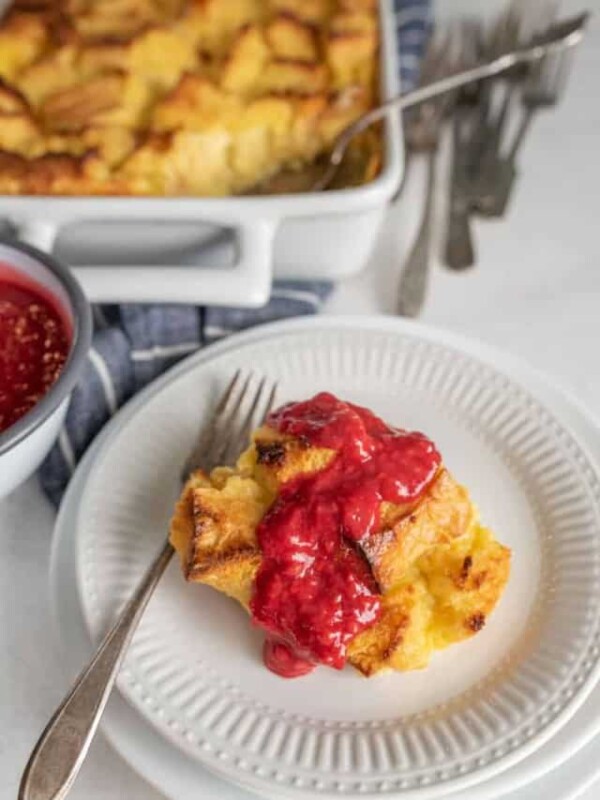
(247, 283)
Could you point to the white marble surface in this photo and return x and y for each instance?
(535, 291)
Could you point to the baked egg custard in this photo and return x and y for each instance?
(345, 539)
(180, 97)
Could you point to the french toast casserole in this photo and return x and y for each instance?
(346, 540)
(180, 97)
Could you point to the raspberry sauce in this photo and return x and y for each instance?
(314, 591)
(34, 344)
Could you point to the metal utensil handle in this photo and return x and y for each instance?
(413, 279)
(505, 62)
(498, 173)
(62, 747)
(521, 133)
(459, 251)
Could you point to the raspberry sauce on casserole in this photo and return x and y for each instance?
(314, 591)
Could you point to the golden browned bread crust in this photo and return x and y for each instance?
(440, 572)
(180, 97)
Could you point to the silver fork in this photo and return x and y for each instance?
(478, 133)
(542, 88)
(505, 35)
(459, 250)
(423, 126)
(64, 743)
(564, 34)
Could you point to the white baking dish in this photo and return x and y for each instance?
(316, 235)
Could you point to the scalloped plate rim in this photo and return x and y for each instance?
(495, 357)
(124, 727)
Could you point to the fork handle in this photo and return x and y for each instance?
(61, 749)
(413, 279)
(524, 126)
(459, 252)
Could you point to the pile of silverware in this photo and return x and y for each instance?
(487, 123)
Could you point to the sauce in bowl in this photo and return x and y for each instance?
(35, 338)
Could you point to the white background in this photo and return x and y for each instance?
(535, 291)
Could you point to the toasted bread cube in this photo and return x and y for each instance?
(54, 174)
(443, 514)
(290, 38)
(18, 132)
(275, 459)
(161, 57)
(182, 163)
(444, 598)
(261, 137)
(465, 579)
(301, 77)
(22, 40)
(52, 73)
(351, 57)
(400, 639)
(117, 19)
(245, 62)
(213, 530)
(196, 104)
(73, 108)
(212, 24)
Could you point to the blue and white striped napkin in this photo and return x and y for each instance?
(133, 344)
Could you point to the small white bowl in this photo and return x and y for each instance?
(25, 444)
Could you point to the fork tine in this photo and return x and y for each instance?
(259, 406)
(270, 402)
(246, 426)
(205, 435)
(211, 431)
(227, 393)
(226, 407)
(226, 423)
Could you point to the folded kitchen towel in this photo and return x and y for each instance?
(133, 344)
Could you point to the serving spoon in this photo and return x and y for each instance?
(561, 35)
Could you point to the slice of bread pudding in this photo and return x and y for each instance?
(345, 539)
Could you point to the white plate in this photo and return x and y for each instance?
(193, 669)
(182, 778)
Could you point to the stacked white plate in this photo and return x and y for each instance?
(487, 717)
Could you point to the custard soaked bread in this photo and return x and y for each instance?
(179, 97)
(346, 540)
